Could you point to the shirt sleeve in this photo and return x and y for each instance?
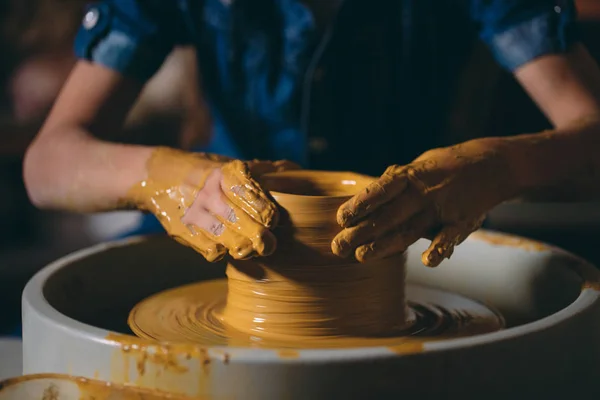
(519, 31)
(128, 36)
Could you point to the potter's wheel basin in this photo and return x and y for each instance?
(553, 325)
(524, 283)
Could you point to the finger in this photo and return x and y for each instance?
(210, 250)
(396, 241)
(212, 198)
(259, 168)
(255, 236)
(216, 230)
(382, 221)
(236, 230)
(185, 233)
(245, 193)
(368, 200)
(442, 246)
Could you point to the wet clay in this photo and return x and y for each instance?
(444, 195)
(304, 290)
(59, 386)
(301, 296)
(183, 368)
(193, 315)
(175, 179)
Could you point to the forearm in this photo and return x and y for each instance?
(560, 164)
(77, 172)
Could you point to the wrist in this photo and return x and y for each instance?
(171, 176)
(508, 165)
(555, 157)
(516, 156)
(530, 160)
(505, 156)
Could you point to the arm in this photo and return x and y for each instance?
(537, 40)
(204, 201)
(562, 162)
(66, 167)
(120, 45)
(445, 193)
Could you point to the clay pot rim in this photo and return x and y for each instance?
(312, 173)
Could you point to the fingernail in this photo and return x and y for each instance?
(341, 247)
(434, 257)
(365, 252)
(344, 218)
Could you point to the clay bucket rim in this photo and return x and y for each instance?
(311, 173)
(61, 378)
(35, 301)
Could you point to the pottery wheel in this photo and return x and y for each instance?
(75, 314)
(193, 314)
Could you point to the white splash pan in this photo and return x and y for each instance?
(551, 347)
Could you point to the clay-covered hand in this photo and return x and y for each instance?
(443, 195)
(210, 203)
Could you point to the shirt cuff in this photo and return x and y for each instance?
(552, 32)
(103, 38)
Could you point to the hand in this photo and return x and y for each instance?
(444, 195)
(211, 203)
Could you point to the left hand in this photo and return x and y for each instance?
(444, 194)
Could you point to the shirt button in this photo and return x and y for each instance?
(557, 9)
(91, 18)
(317, 145)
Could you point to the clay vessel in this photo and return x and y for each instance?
(303, 290)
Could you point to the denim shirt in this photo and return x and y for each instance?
(370, 90)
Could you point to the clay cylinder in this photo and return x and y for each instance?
(303, 290)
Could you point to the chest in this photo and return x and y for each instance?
(323, 11)
(278, 72)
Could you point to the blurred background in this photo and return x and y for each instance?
(35, 41)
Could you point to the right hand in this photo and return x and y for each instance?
(213, 205)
